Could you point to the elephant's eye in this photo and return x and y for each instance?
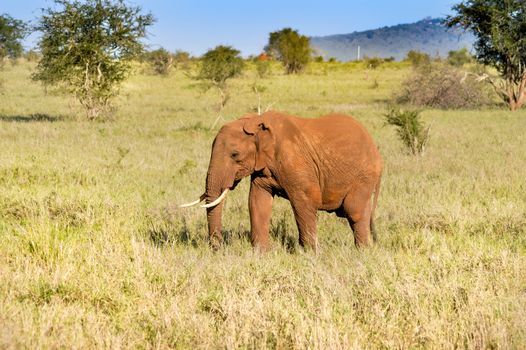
(234, 154)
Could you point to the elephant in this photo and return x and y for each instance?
(330, 164)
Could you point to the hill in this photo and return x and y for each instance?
(428, 35)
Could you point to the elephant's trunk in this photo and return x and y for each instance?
(217, 181)
(213, 216)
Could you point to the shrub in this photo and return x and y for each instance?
(182, 59)
(161, 61)
(373, 62)
(410, 129)
(459, 58)
(417, 58)
(440, 85)
(263, 68)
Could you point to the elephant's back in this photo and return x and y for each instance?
(340, 131)
(339, 123)
(346, 141)
(337, 138)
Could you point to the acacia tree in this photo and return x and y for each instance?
(217, 67)
(499, 27)
(87, 47)
(291, 48)
(12, 31)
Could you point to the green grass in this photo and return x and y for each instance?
(95, 253)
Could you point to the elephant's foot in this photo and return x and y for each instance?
(260, 242)
(215, 242)
(309, 241)
(362, 234)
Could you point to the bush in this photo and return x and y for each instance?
(410, 129)
(262, 68)
(418, 59)
(161, 61)
(459, 58)
(182, 59)
(440, 85)
(373, 62)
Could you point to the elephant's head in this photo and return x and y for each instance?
(240, 148)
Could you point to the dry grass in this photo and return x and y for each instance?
(94, 252)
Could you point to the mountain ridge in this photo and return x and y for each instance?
(429, 35)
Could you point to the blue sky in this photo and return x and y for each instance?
(199, 25)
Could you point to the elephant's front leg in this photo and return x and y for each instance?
(260, 208)
(305, 210)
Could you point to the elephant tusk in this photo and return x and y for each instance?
(217, 201)
(186, 205)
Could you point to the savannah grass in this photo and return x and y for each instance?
(95, 253)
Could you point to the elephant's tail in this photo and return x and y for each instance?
(375, 202)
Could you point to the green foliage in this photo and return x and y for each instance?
(12, 31)
(161, 61)
(220, 64)
(459, 58)
(410, 129)
(499, 27)
(87, 47)
(440, 85)
(417, 58)
(291, 48)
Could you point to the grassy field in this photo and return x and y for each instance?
(95, 253)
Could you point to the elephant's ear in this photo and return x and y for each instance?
(252, 124)
(262, 132)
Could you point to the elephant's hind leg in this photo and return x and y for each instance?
(358, 212)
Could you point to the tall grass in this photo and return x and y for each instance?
(94, 252)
